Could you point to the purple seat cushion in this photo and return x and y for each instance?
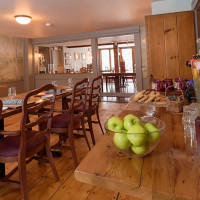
(63, 120)
(9, 146)
(80, 109)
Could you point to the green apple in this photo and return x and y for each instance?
(154, 134)
(140, 150)
(115, 124)
(137, 135)
(142, 124)
(121, 141)
(129, 120)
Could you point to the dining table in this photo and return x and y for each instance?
(118, 76)
(171, 171)
(13, 110)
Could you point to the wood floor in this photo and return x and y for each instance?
(42, 185)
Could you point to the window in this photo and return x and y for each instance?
(127, 55)
(107, 62)
(107, 59)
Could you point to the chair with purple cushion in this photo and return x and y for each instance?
(92, 107)
(63, 124)
(1, 106)
(23, 145)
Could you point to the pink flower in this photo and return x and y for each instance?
(191, 61)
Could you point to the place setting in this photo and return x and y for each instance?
(11, 103)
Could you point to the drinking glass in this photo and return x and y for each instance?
(11, 92)
(54, 83)
(150, 110)
(190, 113)
(70, 83)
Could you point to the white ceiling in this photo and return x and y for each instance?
(70, 16)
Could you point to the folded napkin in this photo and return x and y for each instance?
(12, 101)
(81, 86)
(51, 92)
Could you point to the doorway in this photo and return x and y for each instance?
(117, 65)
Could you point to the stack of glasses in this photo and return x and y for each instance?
(190, 113)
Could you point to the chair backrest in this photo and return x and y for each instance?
(95, 91)
(79, 94)
(42, 110)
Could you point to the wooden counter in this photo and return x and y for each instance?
(169, 172)
(61, 79)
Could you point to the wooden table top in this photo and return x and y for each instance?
(118, 74)
(169, 172)
(12, 111)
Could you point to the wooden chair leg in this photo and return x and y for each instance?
(84, 132)
(23, 178)
(91, 129)
(72, 145)
(106, 82)
(98, 119)
(50, 158)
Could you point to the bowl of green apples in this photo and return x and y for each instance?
(135, 136)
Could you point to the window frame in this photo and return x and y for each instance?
(100, 59)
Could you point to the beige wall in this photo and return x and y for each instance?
(10, 47)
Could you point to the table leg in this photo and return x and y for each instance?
(2, 165)
(65, 104)
(117, 84)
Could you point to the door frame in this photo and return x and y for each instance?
(94, 41)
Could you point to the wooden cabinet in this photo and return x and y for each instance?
(170, 42)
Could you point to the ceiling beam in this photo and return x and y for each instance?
(88, 35)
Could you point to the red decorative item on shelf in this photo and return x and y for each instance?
(168, 83)
(179, 84)
(158, 85)
(122, 65)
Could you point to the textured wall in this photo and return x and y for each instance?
(11, 64)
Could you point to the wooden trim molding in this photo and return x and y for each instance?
(195, 4)
(88, 35)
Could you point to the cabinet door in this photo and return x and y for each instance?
(156, 46)
(186, 41)
(170, 42)
(171, 46)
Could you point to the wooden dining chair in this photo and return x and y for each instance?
(63, 124)
(92, 106)
(1, 106)
(22, 146)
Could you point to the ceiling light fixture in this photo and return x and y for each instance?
(23, 19)
(48, 24)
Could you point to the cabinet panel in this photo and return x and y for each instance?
(170, 42)
(156, 46)
(171, 46)
(186, 41)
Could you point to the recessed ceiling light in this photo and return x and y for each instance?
(48, 24)
(23, 19)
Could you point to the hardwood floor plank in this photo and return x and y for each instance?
(41, 181)
(98, 193)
